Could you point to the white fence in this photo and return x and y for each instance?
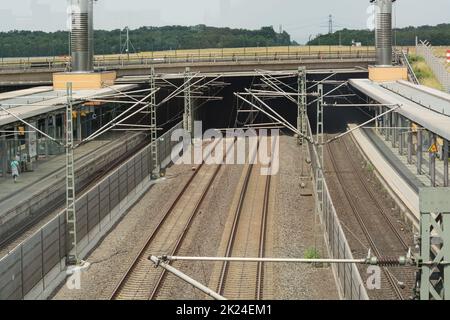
(348, 279)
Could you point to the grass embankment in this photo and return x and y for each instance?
(423, 72)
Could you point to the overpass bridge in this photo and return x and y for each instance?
(39, 71)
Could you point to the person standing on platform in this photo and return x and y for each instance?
(15, 169)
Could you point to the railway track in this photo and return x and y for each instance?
(381, 235)
(144, 282)
(247, 238)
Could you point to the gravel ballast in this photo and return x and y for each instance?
(292, 227)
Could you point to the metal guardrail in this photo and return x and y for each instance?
(402, 58)
(118, 61)
(425, 50)
(37, 264)
(348, 278)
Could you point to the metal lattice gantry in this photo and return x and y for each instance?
(302, 116)
(434, 260)
(319, 142)
(71, 217)
(153, 126)
(256, 99)
(188, 116)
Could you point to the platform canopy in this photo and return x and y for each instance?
(38, 101)
(425, 106)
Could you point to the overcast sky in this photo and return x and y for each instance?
(300, 18)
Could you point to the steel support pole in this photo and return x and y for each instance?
(4, 155)
(47, 141)
(419, 151)
(394, 129)
(377, 112)
(432, 161)
(401, 136)
(410, 143)
(302, 102)
(387, 124)
(17, 148)
(71, 218)
(186, 278)
(188, 112)
(54, 134)
(153, 127)
(320, 141)
(79, 130)
(445, 158)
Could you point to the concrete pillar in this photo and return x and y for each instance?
(445, 157)
(419, 151)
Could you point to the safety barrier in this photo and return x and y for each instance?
(202, 56)
(348, 278)
(425, 50)
(37, 266)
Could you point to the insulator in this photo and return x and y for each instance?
(388, 261)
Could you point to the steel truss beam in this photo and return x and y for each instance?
(71, 217)
(302, 112)
(153, 127)
(434, 244)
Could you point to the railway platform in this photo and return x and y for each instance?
(398, 178)
(416, 180)
(40, 191)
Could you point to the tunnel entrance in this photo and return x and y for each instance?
(223, 113)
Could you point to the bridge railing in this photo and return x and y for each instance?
(348, 277)
(402, 58)
(201, 56)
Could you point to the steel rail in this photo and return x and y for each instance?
(376, 200)
(362, 224)
(234, 231)
(262, 240)
(177, 246)
(143, 251)
(230, 243)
